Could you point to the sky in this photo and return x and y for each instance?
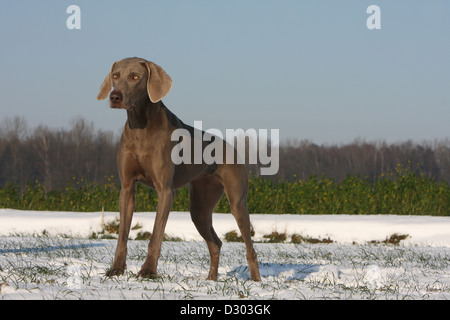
(311, 69)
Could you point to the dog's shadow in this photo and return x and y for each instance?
(287, 271)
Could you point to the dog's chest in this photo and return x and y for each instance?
(150, 161)
(144, 170)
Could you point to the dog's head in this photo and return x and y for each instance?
(134, 80)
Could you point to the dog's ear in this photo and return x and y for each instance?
(106, 86)
(159, 82)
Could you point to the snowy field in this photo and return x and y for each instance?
(48, 255)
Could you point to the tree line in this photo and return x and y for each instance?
(370, 160)
(55, 156)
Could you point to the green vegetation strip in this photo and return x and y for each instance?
(400, 193)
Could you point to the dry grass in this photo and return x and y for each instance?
(393, 239)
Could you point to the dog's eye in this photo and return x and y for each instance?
(135, 77)
(115, 76)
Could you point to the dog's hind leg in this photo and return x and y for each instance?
(236, 189)
(205, 192)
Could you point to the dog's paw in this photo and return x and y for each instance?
(147, 273)
(115, 271)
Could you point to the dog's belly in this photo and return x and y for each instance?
(185, 173)
(182, 175)
(180, 179)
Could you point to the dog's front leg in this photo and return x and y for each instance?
(165, 199)
(126, 204)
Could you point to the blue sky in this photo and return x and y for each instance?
(311, 69)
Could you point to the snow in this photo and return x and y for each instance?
(346, 229)
(48, 255)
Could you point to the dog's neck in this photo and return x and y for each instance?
(140, 116)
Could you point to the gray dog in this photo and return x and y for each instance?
(145, 156)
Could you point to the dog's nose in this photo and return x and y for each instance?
(116, 96)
